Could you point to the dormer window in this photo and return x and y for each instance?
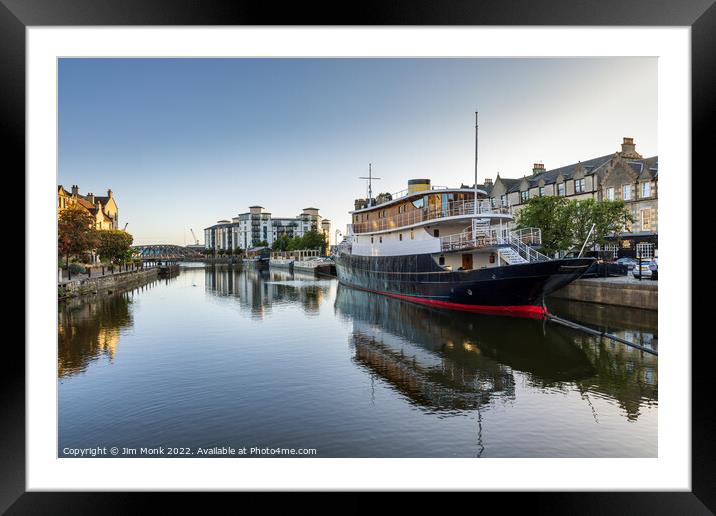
(579, 185)
(646, 189)
(560, 189)
(525, 195)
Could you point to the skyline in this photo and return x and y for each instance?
(183, 143)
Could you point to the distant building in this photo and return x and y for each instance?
(103, 209)
(257, 225)
(624, 175)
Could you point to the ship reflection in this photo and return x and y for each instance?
(259, 291)
(452, 361)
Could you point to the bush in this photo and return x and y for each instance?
(77, 268)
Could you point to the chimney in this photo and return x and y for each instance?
(537, 168)
(109, 193)
(488, 181)
(628, 146)
(90, 197)
(75, 190)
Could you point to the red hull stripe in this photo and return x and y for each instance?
(531, 311)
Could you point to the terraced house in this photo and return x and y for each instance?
(102, 208)
(624, 174)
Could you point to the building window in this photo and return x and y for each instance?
(561, 189)
(541, 191)
(525, 195)
(610, 194)
(645, 250)
(579, 185)
(646, 220)
(626, 189)
(646, 189)
(503, 198)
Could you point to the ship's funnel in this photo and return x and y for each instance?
(418, 185)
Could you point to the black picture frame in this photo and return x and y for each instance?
(16, 15)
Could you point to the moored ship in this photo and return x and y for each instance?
(451, 248)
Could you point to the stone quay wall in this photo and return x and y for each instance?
(607, 291)
(106, 284)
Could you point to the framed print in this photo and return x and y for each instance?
(417, 250)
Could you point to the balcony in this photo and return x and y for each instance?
(450, 209)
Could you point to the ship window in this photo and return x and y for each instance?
(418, 203)
(412, 234)
(436, 233)
(371, 240)
(441, 260)
(380, 239)
(400, 236)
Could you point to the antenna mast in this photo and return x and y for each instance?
(475, 162)
(370, 186)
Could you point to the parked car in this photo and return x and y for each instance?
(648, 267)
(629, 262)
(603, 269)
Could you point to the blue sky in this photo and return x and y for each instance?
(183, 143)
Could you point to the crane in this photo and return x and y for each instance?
(196, 240)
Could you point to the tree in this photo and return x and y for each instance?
(114, 245)
(608, 218)
(552, 215)
(238, 251)
(281, 243)
(75, 232)
(314, 240)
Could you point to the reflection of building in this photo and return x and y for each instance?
(257, 225)
(258, 291)
(624, 175)
(90, 329)
(103, 209)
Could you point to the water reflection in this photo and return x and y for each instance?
(451, 361)
(259, 291)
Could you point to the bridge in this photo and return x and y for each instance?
(166, 253)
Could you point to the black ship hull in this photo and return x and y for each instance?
(510, 290)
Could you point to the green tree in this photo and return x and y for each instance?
(114, 245)
(75, 232)
(552, 215)
(608, 218)
(281, 243)
(315, 240)
(238, 251)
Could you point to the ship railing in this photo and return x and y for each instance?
(469, 239)
(425, 214)
(524, 240)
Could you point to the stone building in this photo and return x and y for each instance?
(102, 208)
(624, 174)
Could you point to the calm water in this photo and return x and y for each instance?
(229, 358)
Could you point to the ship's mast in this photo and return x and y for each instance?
(370, 186)
(475, 162)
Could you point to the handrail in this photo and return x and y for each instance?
(521, 240)
(450, 209)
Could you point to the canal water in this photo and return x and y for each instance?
(222, 357)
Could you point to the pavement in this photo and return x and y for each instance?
(628, 279)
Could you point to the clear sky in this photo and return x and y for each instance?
(183, 143)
